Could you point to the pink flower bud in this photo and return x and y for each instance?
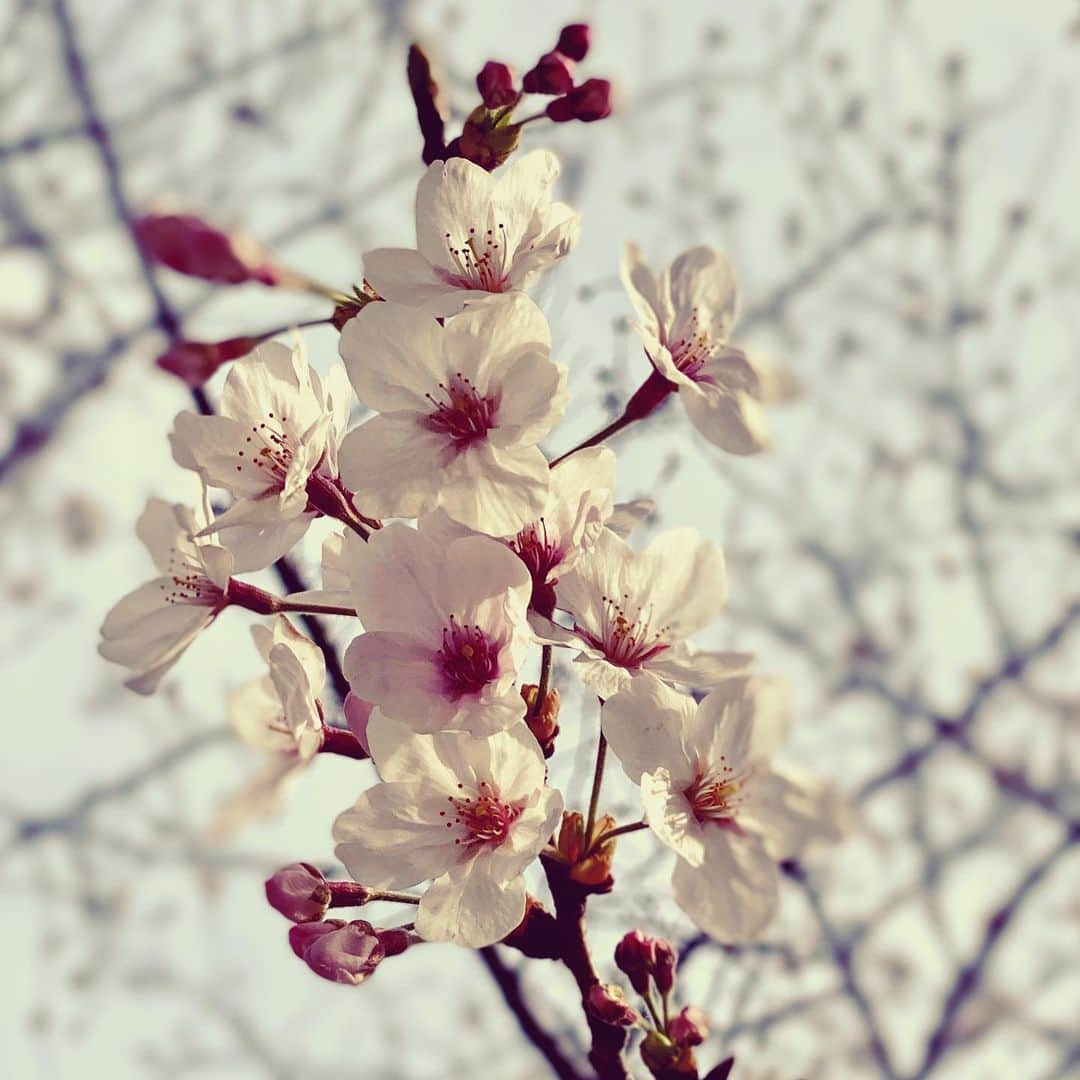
(299, 892)
(189, 245)
(588, 102)
(608, 1004)
(357, 714)
(551, 75)
(635, 957)
(574, 41)
(196, 361)
(347, 954)
(395, 941)
(664, 966)
(496, 85)
(302, 935)
(689, 1028)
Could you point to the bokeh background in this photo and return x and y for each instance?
(896, 184)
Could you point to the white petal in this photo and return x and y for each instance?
(697, 668)
(452, 197)
(731, 420)
(398, 673)
(643, 725)
(670, 817)
(396, 465)
(533, 400)
(790, 812)
(404, 276)
(682, 575)
(701, 279)
(496, 490)
(644, 292)
(733, 895)
(157, 528)
(466, 906)
(745, 719)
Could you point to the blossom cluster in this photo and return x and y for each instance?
(462, 555)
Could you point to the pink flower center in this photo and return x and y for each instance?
(626, 637)
(480, 262)
(714, 794)
(188, 584)
(484, 819)
(464, 416)
(538, 549)
(468, 658)
(692, 350)
(267, 451)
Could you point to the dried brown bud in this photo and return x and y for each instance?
(487, 139)
(543, 722)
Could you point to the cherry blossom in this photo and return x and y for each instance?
(280, 711)
(712, 796)
(467, 813)
(685, 317)
(476, 234)
(461, 409)
(149, 629)
(446, 629)
(273, 447)
(633, 611)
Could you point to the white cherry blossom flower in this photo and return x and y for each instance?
(149, 629)
(476, 234)
(274, 447)
(461, 409)
(469, 814)
(712, 796)
(446, 629)
(633, 611)
(685, 317)
(280, 712)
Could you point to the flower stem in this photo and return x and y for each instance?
(653, 1012)
(622, 830)
(545, 679)
(594, 798)
(306, 608)
(342, 742)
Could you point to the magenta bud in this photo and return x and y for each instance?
(347, 954)
(574, 41)
(635, 957)
(496, 85)
(357, 714)
(689, 1028)
(395, 941)
(588, 102)
(551, 75)
(664, 966)
(189, 245)
(196, 361)
(302, 935)
(299, 892)
(609, 1005)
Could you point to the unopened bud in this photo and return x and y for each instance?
(588, 102)
(299, 892)
(542, 720)
(347, 954)
(664, 967)
(664, 1058)
(496, 85)
(191, 246)
(552, 75)
(594, 868)
(302, 935)
(196, 361)
(574, 41)
(635, 956)
(396, 940)
(608, 1004)
(689, 1028)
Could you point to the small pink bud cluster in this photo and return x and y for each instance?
(344, 952)
(650, 963)
(552, 75)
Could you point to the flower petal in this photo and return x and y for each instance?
(468, 907)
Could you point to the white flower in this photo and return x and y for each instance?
(149, 629)
(446, 629)
(273, 447)
(711, 795)
(633, 611)
(476, 234)
(469, 813)
(685, 317)
(280, 712)
(461, 409)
